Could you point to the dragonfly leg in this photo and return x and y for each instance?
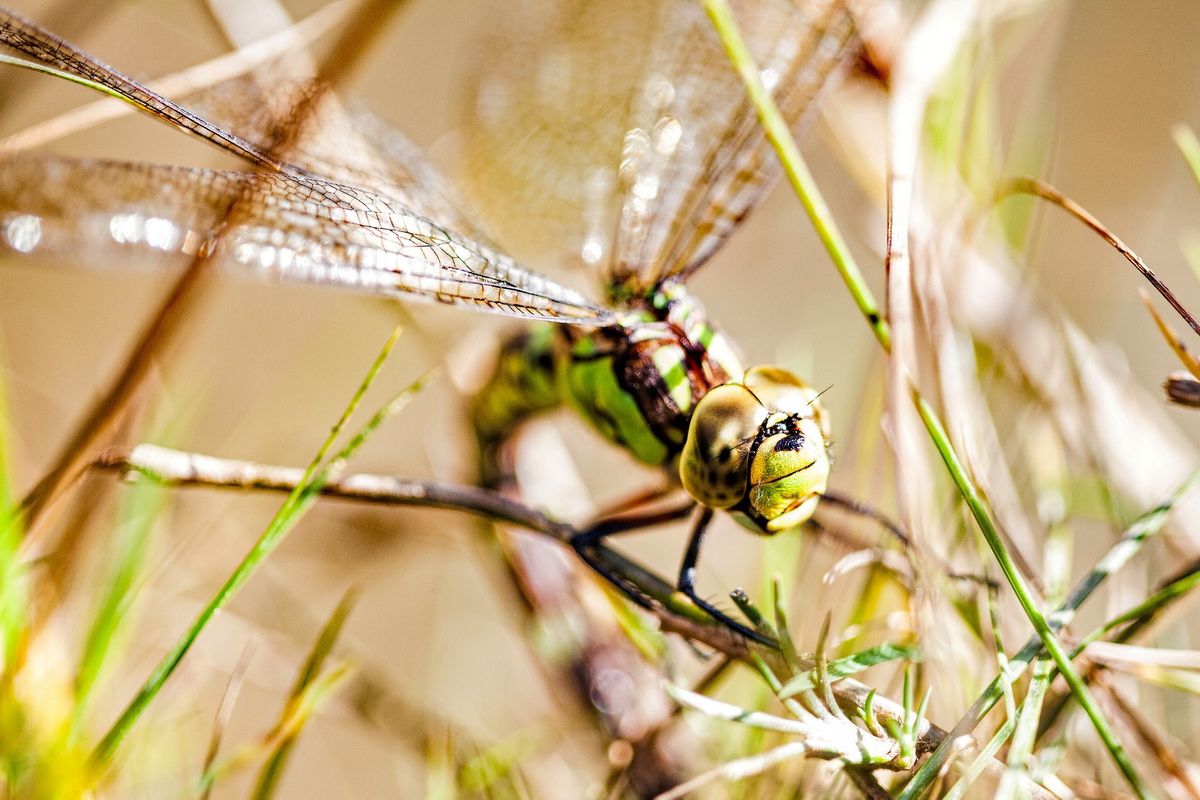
(687, 581)
(583, 542)
(625, 523)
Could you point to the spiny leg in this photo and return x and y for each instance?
(686, 584)
(583, 542)
(687, 580)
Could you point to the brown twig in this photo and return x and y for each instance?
(177, 468)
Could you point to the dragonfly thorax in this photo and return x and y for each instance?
(758, 447)
(639, 380)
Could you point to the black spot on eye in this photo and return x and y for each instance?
(725, 454)
(731, 480)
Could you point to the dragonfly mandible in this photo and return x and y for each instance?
(666, 178)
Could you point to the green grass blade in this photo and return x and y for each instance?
(131, 546)
(1021, 752)
(268, 779)
(845, 667)
(1049, 640)
(297, 502)
(45, 69)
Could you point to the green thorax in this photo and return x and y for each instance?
(635, 381)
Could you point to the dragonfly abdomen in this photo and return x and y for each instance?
(523, 385)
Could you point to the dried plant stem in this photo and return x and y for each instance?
(1037, 188)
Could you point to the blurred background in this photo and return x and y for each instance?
(1089, 92)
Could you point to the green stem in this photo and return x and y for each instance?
(1051, 643)
(796, 169)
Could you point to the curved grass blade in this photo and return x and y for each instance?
(296, 504)
(796, 170)
(850, 665)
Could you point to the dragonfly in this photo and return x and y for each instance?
(651, 158)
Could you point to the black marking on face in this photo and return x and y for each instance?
(794, 441)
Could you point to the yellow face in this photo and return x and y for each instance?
(758, 447)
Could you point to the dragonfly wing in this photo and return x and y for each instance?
(546, 116)
(333, 142)
(276, 227)
(277, 116)
(622, 128)
(696, 159)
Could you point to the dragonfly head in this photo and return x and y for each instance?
(758, 447)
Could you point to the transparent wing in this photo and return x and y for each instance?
(335, 143)
(625, 126)
(351, 206)
(545, 121)
(277, 227)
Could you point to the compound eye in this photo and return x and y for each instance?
(713, 465)
(789, 473)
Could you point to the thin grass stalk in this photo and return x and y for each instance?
(297, 502)
(1010, 702)
(979, 764)
(12, 570)
(1025, 733)
(1189, 146)
(1138, 616)
(796, 169)
(272, 771)
(233, 689)
(293, 717)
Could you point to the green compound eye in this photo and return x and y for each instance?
(758, 448)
